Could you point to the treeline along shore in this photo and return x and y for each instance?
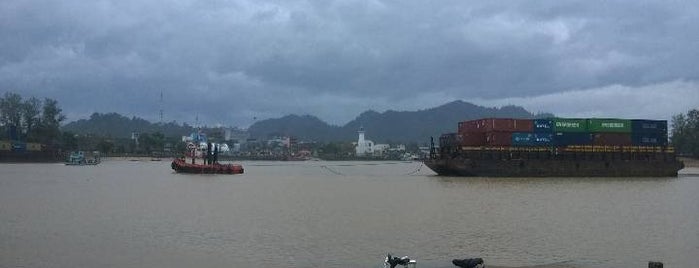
(34, 130)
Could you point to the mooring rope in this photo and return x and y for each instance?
(271, 165)
(366, 164)
(333, 171)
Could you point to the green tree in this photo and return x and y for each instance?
(11, 113)
(69, 141)
(151, 142)
(685, 133)
(51, 118)
(180, 147)
(105, 146)
(31, 110)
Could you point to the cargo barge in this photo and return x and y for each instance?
(21, 152)
(556, 147)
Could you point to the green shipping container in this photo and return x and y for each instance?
(5, 146)
(609, 125)
(569, 125)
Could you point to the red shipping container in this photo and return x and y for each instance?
(498, 138)
(612, 139)
(523, 125)
(472, 138)
(468, 126)
(505, 125)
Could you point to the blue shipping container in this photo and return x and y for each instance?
(19, 147)
(572, 138)
(649, 126)
(531, 139)
(12, 133)
(649, 139)
(543, 125)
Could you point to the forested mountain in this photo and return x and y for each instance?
(306, 127)
(387, 127)
(119, 126)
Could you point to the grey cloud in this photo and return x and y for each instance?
(230, 61)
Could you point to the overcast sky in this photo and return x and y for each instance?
(230, 62)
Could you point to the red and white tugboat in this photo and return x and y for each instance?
(210, 165)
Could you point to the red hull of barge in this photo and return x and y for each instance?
(180, 166)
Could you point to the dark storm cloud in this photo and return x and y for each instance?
(231, 61)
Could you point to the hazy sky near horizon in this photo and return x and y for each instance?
(231, 62)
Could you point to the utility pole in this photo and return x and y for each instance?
(161, 107)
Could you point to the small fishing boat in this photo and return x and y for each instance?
(79, 158)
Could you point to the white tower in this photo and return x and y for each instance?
(360, 143)
(361, 135)
(363, 146)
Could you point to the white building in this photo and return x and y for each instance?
(380, 149)
(235, 134)
(364, 147)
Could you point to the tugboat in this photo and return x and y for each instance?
(210, 164)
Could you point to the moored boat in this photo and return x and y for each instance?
(517, 162)
(557, 147)
(181, 166)
(210, 165)
(79, 158)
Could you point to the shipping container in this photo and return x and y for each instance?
(648, 126)
(497, 138)
(13, 133)
(469, 126)
(569, 125)
(504, 125)
(34, 147)
(531, 139)
(522, 138)
(481, 125)
(472, 138)
(611, 139)
(607, 125)
(572, 138)
(5, 146)
(523, 125)
(649, 139)
(19, 147)
(542, 125)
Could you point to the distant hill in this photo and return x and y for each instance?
(387, 127)
(119, 126)
(305, 127)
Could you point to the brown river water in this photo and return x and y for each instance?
(338, 214)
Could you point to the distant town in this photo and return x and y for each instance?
(237, 144)
(36, 128)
